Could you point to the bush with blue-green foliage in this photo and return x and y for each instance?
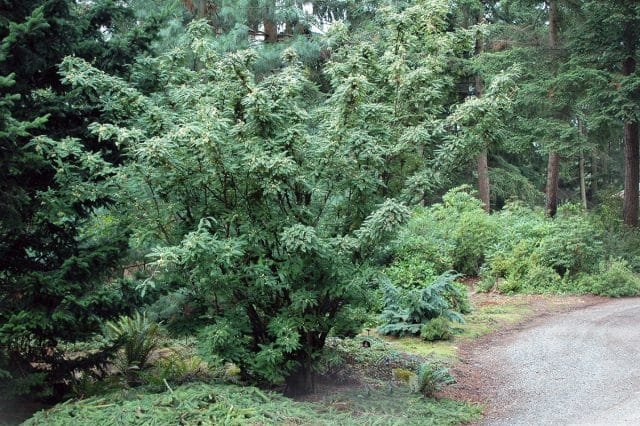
(407, 311)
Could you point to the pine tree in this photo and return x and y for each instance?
(606, 41)
(52, 268)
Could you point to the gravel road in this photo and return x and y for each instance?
(576, 368)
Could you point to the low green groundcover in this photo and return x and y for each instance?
(206, 404)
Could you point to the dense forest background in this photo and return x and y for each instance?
(266, 174)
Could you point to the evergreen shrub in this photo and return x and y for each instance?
(437, 329)
(453, 235)
(533, 253)
(406, 311)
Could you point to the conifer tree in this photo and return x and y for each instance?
(52, 177)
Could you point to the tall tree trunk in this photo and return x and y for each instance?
(482, 163)
(553, 174)
(270, 31)
(631, 159)
(269, 22)
(483, 180)
(553, 163)
(594, 174)
(631, 155)
(583, 186)
(202, 9)
(301, 381)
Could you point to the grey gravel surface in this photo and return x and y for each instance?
(577, 368)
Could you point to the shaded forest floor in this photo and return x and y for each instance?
(368, 386)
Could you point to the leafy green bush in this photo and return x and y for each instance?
(614, 279)
(411, 273)
(470, 228)
(350, 320)
(624, 244)
(222, 340)
(452, 235)
(509, 286)
(536, 254)
(430, 378)
(268, 209)
(608, 212)
(419, 239)
(437, 329)
(405, 312)
(573, 245)
(487, 282)
(517, 249)
(539, 278)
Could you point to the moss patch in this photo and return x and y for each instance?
(484, 319)
(488, 318)
(444, 351)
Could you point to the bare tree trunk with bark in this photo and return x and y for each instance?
(483, 180)
(583, 185)
(553, 164)
(482, 162)
(631, 155)
(270, 31)
(630, 202)
(553, 176)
